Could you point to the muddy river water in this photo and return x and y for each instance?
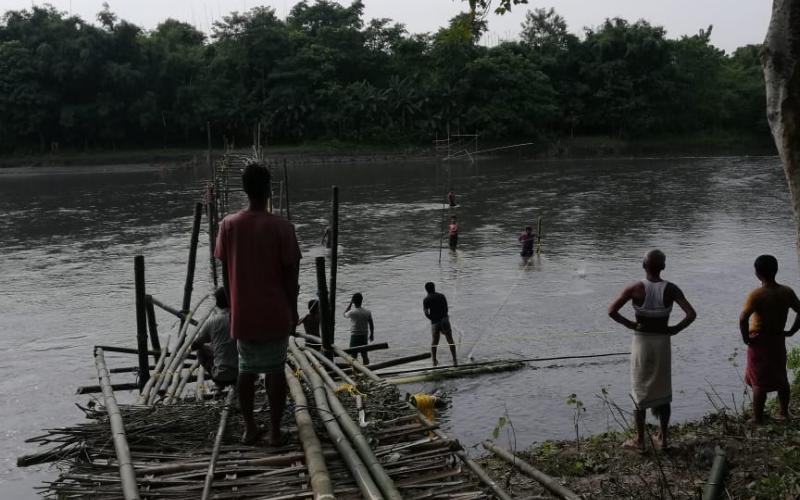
(69, 236)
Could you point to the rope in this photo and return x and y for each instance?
(505, 301)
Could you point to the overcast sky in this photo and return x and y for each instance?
(736, 22)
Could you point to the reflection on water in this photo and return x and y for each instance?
(69, 237)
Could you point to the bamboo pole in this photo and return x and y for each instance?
(715, 477)
(375, 346)
(211, 233)
(324, 308)
(476, 469)
(127, 475)
(223, 421)
(144, 395)
(548, 482)
(326, 378)
(499, 361)
(330, 364)
(184, 343)
(152, 325)
(141, 320)
(399, 361)
(190, 264)
(357, 468)
(352, 361)
(312, 448)
(178, 314)
(539, 236)
(200, 390)
(347, 424)
(286, 188)
(187, 372)
(334, 255)
(455, 372)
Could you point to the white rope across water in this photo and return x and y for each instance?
(500, 308)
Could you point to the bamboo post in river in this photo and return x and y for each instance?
(210, 215)
(141, 320)
(324, 308)
(539, 236)
(312, 448)
(548, 482)
(334, 253)
(127, 475)
(286, 189)
(152, 325)
(187, 288)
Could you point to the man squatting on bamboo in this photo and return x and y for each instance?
(216, 350)
(362, 330)
(260, 266)
(434, 306)
(762, 324)
(651, 358)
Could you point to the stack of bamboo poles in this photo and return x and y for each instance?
(170, 377)
(180, 450)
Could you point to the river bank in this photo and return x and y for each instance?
(761, 462)
(709, 144)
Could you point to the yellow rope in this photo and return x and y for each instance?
(348, 388)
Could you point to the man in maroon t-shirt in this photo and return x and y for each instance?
(260, 265)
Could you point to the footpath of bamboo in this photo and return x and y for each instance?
(179, 449)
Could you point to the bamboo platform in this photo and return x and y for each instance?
(172, 445)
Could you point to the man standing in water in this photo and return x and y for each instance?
(453, 228)
(651, 357)
(768, 306)
(435, 308)
(362, 330)
(528, 238)
(260, 264)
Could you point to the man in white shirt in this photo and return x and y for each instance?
(362, 330)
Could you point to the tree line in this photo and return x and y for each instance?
(326, 73)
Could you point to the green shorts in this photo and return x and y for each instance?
(262, 357)
(359, 340)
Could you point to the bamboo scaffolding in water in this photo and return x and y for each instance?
(127, 475)
(312, 448)
(223, 421)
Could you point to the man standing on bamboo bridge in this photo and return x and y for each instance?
(260, 265)
(435, 308)
(651, 356)
(362, 330)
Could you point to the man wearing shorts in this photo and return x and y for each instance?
(260, 265)
(362, 330)
(435, 308)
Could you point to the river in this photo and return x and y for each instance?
(69, 236)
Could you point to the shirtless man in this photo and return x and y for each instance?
(651, 359)
(762, 325)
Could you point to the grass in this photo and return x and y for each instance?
(763, 462)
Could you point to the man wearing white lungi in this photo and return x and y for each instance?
(651, 359)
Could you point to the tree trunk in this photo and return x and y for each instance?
(781, 60)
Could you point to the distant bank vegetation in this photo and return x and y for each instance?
(325, 73)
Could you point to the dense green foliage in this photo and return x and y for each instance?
(325, 73)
